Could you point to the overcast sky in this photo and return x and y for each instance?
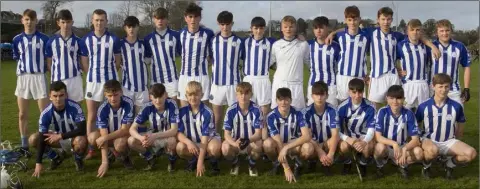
(463, 14)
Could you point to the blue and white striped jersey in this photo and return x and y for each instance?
(134, 69)
(163, 49)
(29, 52)
(194, 126)
(321, 125)
(243, 126)
(101, 56)
(195, 50)
(439, 123)
(357, 120)
(63, 121)
(66, 56)
(226, 54)
(453, 55)
(323, 62)
(159, 121)
(396, 128)
(112, 120)
(257, 56)
(415, 60)
(288, 128)
(353, 53)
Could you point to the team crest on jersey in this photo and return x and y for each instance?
(132, 48)
(454, 54)
(329, 52)
(264, 46)
(170, 43)
(234, 44)
(449, 117)
(394, 42)
(38, 45)
(72, 49)
(107, 45)
(210, 97)
(360, 44)
(199, 39)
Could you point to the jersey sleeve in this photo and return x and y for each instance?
(82, 48)
(464, 57)
(117, 46)
(45, 121)
(15, 50)
(399, 51)
(257, 122)
(146, 45)
(333, 122)
(273, 57)
(142, 116)
(102, 117)
(228, 121)
(412, 126)
(368, 30)
(379, 121)
(210, 36)
(128, 114)
(300, 120)
(208, 128)
(181, 126)
(272, 130)
(48, 48)
(178, 44)
(370, 118)
(419, 113)
(336, 53)
(460, 114)
(173, 113)
(77, 112)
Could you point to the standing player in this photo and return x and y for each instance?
(134, 84)
(443, 121)
(197, 138)
(114, 118)
(69, 127)
(288, 135)
(227, 49)
(28, 50)
(104, 58)
(289, 53)
(415, 60)
(454, 54)
(394, 124)
(357, 114)
(242, 125)
(163, 45)
(162, 113)
(65, 52)
(195, 40)
(323, 61)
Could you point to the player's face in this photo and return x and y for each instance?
(352, 22)
(284, 104)
(113, 98)
(58, 98)
(160, 23)
(99, 22)
(159, 102)
(29, 23)
(385, 21)
(443, 33)
(194, 98)
(395, 103)
(193, 21)
(65, 25)
(243, 98)
(414, 33)
(441, 90)
(288, 29)
(131, 31)
(320, 32)
(356, 96)
(225, 28)
(258, 31)
(319, 99)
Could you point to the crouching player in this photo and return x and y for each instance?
(322, 119)
(162, 113)
(114, 118)
(393, 125)
(242, 125)
(357, 114)
(69, 128)
(288, 134)
(443, 121)
(197, 136)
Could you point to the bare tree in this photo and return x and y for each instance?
(49, 9)
(88, 21)
(115, 20)
(175, 8)
(148, 7)
(128, 8)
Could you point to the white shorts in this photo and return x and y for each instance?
(261, 89)
(455, 95)
(31, 86)
(66, 144)
(139, 98)
(332, 95)
(158, 144)
(223, 95)
(75, 88)
(94, 91)
(379, 86)
(444, 146)
(204, 80)
(342, 87)
(416, 92)
(298, 97)
(391, 152)
(171, 88)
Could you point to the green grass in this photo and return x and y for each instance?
(117, 177)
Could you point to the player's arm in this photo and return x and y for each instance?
(117, 51)
(201, 156)
(412, 129)
(306, 137)
(41, 143)
(148, 51)
(459, 130)
(134, 130)
(102, 170)
(257, 125)
(80, 122)
(465, 62)
(330, 38)
(172, 132)
(436, 53)
(227, 127)
(460, 119)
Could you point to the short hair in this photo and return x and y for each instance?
(352, 12)
(289, 19)
(193, 87)
(443, 23)
(386, 11)
(320, 22)
(396, 91)
(100, 12)
(58, 86)
(157, 90)
(356, 85)
(30, 13)
(112, 86)
(131, 21)
(414, 23)
(64, 14)
(225, 17)
(258, 22)
(160, 13)
(284, 93)
(319, 88)
(441, 78)
(194, 9)
(244, 88)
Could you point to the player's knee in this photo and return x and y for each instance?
(344, 147)
(213, 148)
(181, 148)
(33, 140)
(268, 145)
(22, 115)
(431, 152)
(131, 141)
(80, 144)
(471, 154)
(121, 145)
(306, 151)
(379, 149)
(171, 144)
(418, 153)
(92, 137)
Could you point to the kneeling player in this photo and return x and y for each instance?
(322, 119)
(68, 121)
(242, 125)
(357, 114)
(394, 124)
(287, 135)
(162, 113)
(443, 120)
(114, 118)
(196, 132)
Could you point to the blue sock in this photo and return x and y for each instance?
(276, 163)
(24, 140)
(251, 161)
(172, 158)
(193, 160)
(90, 148)
(298, 162)
(51, 154)
(214, 162)
(147, 155)
(78, 157)
(235, 160)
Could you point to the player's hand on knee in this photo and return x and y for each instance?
(38, 170)
(52, 137)
(100, 141)
(192, 148)
(397, 151)
(360, 145)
